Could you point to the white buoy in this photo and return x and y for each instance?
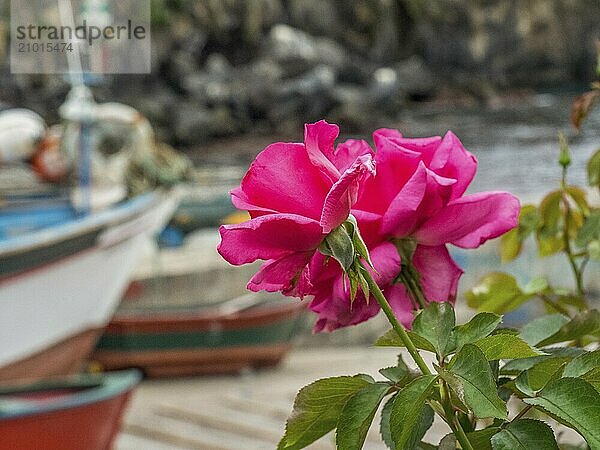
(21, 130)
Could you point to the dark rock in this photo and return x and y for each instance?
(307, 98)
(415, 79)
(298, 50)
(318, 17)
(195, 124)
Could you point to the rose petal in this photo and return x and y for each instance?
(347, 153)
(469, 221)
(385, 134)
(401, 217)
(386, 262)
(437, 195)
(288, 274)
(395, 165)
(282, 178)
(426, 147)
(422, 195)
(323, 268)
(369, 225)
(319, 141)
(332, 304)
(452, 160)
(240, 201)
(344, 193)
(400, 303)
(268, 237)
(439, 273)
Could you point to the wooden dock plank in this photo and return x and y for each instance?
(247, 411)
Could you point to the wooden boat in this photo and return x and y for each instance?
(198, 319)
(61, 279)
(83, 412)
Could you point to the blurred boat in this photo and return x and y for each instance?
(62, 276)
(203, 204)
(189, 313)
(83, 412)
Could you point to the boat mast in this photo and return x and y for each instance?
(79, 108)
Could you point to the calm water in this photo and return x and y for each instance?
(517, 147)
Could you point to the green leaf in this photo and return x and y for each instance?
(512, 242)
(515, 366)
(548, 234)
(549, 245)
(510, 245)
(566, 298)
(525, 434)
(578, 195)
(357, 415)
(338, 245)
(477, 328)
(481, 439)
(479, 390)
(357, 240)
(423, 424)
(436, 323)
(575, 403)
(582, 364)
(589, 231)
(585, 323)
(593, 377)
(391, 339)
(316, 410)
(395, 374)
(568, 446)
(536, 285)
(593, 249)
(535, 379)
(426, 446)
(384, 424)
(497, 292)
(363, 283)
(407, 411)
(505, 346)
(448, 442)
(593, 169)
(539, 329)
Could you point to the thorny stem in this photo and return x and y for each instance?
(461, 437)
(413, 289)
(450, 417)
(397, 326)
(555, 305)
(577, 271)
(522, 412)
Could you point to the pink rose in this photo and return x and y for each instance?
(295, 194)
(417, 193)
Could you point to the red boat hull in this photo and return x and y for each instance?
(88, 427)
(83, 412)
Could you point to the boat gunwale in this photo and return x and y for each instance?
(140, 322)
(108, 386)
(46, 237)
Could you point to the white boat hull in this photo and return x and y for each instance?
(49, 304)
